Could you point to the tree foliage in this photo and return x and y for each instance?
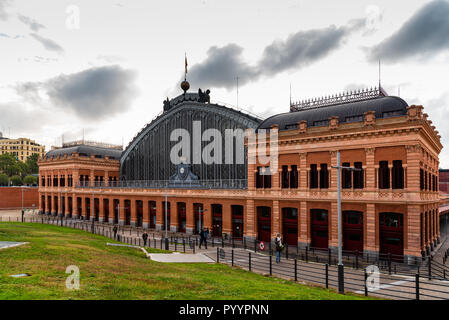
(3, 179)
(30, 180)
(10, 166)
(16, 180)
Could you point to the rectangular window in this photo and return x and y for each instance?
(313, 176)
(321, 123)
(384, 175)
(357, 176)
(390, 114)
(346, 182)
(267, 178)
(259, 178)
(291, 126)
(324, 176)
(294, 177)
(285, 177)
(421, 179)
(354, 118)
(425, 180)
(398, 175)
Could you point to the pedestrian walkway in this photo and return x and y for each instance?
(10, 244)
(181, 258)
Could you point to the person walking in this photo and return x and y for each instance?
(279, 247)
(145, 237)
(115, 232)
(203, 239)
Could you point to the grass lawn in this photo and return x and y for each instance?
(124, 273)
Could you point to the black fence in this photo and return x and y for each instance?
(428, 280)
(361, 281)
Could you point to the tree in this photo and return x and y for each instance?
(9, 165)
(32, 164)
(16, 180)
(3, 179)
(30, 180)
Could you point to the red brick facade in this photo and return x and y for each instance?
(11, 197)
(395, 198)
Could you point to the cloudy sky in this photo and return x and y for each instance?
(104, 67)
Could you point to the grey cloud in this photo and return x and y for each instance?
(33, 24)
(94, 93)
(221, 67)
(224, 64)
(48, 43)
(424, 34)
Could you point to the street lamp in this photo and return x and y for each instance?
(166, 231)
(341, 287)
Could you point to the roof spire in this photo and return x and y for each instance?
(185, 85)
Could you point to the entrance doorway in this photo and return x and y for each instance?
(182, 216)
(198, 212)
(392, 234)
(353, 231)
(139, 207)
(290, 226)
(217, 220)
(116, 204)
(264, 224)
(320, 232)
(106, 210)
(152, 218)
(237, 221)
(127, 212)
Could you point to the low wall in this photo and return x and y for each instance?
(11, 197)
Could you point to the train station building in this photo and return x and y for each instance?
(389, 205)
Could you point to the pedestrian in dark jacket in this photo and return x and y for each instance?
(115, 232)
(279, 247)
(145, 237)
(203, 238)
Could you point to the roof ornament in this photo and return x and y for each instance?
(347, 97)
(185, 85)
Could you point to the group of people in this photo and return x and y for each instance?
(203, 240)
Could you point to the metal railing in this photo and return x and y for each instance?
(314, 266)
(163, 184)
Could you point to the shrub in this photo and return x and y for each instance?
(3, 179)
(16, 180)
(30, 180)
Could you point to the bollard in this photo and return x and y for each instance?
(327, 276)
(341, 279)
(389, 263)
(232, 257)
(296, 270)
(417, 286)
(249, 261)
(218, 255)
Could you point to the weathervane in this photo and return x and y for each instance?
(185, 85)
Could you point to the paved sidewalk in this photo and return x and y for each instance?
(10, 244)
(181, 258)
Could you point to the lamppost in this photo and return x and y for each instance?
(166, 231)
(341, 287)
